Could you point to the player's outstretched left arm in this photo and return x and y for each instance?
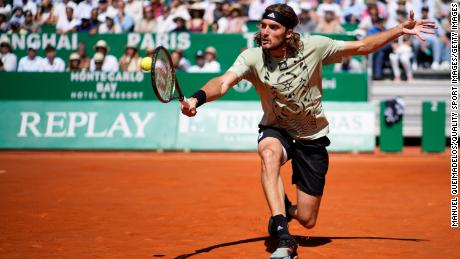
(376, 41)
(212, 90)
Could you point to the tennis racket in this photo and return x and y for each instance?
(164, 81)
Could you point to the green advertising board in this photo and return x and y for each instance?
(135, 86)
(433, 126)
(221, 126)
(118, 86)
(87, 125)
(189, 42)
(352, 126)
(234, 126)
(144, 125)
(228, 46)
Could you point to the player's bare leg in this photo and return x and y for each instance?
(273, 156)
(307, 209)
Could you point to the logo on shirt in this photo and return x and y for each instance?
(271, 15)
(243, 86)
(283, 65)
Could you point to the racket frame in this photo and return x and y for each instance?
(180, 96)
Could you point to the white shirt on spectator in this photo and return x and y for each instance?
(30, 6)
(209, 12)
(211, 67)
(180, 11)
(17, 19)
(222, 23)
(29, 65)
(257, 8)
(417, 7)
(45, 16)
(9, 61)
(354, 67)
(146, 26)
(111, 11)
(6, 10)
(104, 29)
(110, 64)
(196, 69)
(84, 9)
(134, 9)
(65, 25)
(335, 7)
(164, 24)
(356, 10)
(57, 66)
(184, 64)
(294, 4)
(17, 3)
(59, 9)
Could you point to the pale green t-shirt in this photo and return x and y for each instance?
(291, 88)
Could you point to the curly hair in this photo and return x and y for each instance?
(293, 44)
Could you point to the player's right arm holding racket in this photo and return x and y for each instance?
(212, 90)
(218, 86)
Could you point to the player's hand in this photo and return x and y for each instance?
(416, 27)
(188, 106)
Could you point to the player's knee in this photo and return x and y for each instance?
(269, 156)
(307, 220)
(309, 224)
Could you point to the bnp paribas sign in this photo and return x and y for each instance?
(87, 125)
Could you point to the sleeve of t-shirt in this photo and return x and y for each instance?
(21, 65)
(242, 65)
(61, 66)
(329, 50)
(10, 63)
(114, 66)
(92, 65)
(41, 65)
(439, 31)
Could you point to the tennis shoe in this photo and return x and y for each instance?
(287, 249)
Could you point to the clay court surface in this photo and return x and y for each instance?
(211, 205)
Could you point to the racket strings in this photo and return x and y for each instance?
(164, 78)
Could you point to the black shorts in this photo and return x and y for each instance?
(309, 159)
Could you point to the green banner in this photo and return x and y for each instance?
(352, 126)
(117, 86)
(84, 85)
(228, 46)
(87, 125)
(226, 125)
(234, 126)
(221, 126)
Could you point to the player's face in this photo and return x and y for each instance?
(273, 34)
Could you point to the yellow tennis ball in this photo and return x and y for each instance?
(146, 63)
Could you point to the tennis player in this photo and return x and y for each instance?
(286, 72)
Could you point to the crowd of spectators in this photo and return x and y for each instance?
(360, 17)
(205, 62)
